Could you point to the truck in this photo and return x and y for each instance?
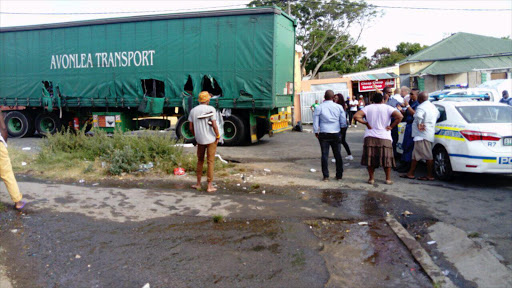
(124, 73)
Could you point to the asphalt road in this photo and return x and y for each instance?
(291, 231)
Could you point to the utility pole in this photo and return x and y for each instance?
(289, 10)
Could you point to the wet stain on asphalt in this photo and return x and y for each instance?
(333, 197)
(175, 251)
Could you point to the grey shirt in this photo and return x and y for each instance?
(204, 133)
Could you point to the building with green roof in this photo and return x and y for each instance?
(461, 60)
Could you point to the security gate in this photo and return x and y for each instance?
(308, 98)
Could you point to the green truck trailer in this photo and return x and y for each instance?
(110, 73)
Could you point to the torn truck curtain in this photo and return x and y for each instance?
(103, 64)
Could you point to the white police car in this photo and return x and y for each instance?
(471, 136)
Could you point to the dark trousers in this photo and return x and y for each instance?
(332, 140)
(351, 116)
(394, 136)
(344, 140)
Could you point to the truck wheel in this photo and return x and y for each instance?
(47, 123)
(183, 131)
(442, 165)
(234, 131)
(17, 124)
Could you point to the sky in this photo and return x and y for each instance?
(394, 26)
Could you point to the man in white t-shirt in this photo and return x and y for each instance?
(423, 133)
(203, 125)
(6, 172)
(352, 110)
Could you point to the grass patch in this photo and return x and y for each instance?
(473, 235)
(217, 218)
(71, 155)
(255, 186)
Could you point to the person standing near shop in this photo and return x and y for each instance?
(377, 148)
(340, 99)
(408, 143)
(353, 109)
(203, 126)
(360, 104)
(328, 120)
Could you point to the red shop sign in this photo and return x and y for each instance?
(365, 86)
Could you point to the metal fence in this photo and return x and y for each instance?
(308, 98)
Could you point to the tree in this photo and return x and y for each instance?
(408, 49)
(384, 56)
(324, 27)
(344, 62)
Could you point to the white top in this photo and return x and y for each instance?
(353, 102)
(398, 98)
(204, 133)
(379, 117)
(427, 114)
(407, 98)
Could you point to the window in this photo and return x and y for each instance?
(486, 114)
(442, 113)
(153, 88)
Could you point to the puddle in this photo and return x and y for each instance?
(333, 197)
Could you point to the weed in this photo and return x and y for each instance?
(89, 168)
(473, 235)
(255, 186)
(218, 218)
(2, 207)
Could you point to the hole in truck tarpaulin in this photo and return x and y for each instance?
(153, 88)
(212, 86)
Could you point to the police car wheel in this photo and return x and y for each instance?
(442, 165)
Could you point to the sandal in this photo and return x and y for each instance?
(424, 178)
(23, 203)
(407, 176)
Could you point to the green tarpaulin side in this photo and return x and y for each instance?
(466, 65)
(253, 53)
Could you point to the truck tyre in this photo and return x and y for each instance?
(17, 124)
(442, 165)
(47, 123)
(234, 131)
(183, 131)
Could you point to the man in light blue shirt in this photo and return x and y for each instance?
(328, 119)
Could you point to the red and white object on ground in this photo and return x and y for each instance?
(179, 171)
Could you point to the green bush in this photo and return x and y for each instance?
(122, 152)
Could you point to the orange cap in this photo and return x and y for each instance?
(204, 96)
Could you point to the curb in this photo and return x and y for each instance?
(433, 271)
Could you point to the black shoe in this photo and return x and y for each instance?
(339, 178)
(325, 179)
